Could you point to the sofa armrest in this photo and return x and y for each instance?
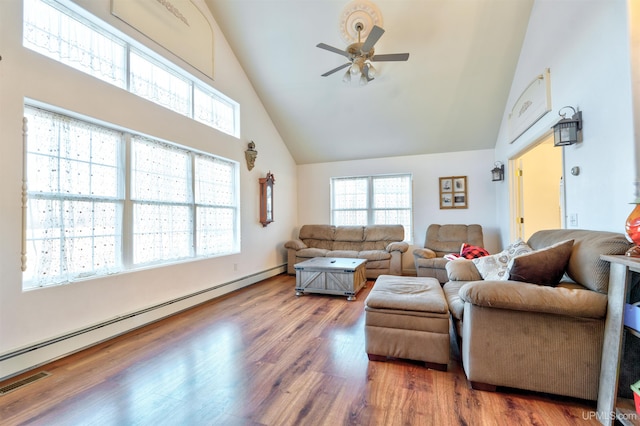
(462, 270)
(400, 246)
(295, 244)
(424, 253)
(519, 296)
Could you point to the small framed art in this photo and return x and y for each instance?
(453, 192)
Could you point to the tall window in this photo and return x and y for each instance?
(75, 199)
(94, 48)
(81, 223)
(372, 200)
(216, 206)
(162, 201)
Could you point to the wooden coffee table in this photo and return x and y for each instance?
(331, 275)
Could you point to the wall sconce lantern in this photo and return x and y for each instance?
(498, 172)
(565, 131)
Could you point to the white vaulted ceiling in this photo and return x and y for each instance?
(449, 96)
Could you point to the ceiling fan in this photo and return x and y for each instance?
(360, 56)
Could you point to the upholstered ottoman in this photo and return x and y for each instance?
(408, 318)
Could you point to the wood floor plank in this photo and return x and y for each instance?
(262, 356)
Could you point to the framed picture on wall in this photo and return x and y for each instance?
(453, 192)
(446, 201)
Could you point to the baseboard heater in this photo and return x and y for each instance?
(162, 310)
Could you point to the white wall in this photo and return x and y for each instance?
(314, 191)
(30, 317)
(586, 46)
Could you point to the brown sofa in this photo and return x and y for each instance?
(536, 337)
(440, 241)
(381, 245)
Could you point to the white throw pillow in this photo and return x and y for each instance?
(495, 267)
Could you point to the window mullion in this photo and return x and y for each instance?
(127, 211)
(194, 206)
(128, 67)
(370, 215)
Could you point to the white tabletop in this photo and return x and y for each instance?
(340, 263)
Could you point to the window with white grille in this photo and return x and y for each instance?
(88, 45)
(75, 199)
(81, 222)
(162, 200)
(372, 200)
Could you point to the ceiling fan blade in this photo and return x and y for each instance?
(391, 57)
(372, 38)
(336, 69)
(332, 49)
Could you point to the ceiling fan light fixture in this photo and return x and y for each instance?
(347, 76)
(371, 71)
(357, 67)
(361, 17)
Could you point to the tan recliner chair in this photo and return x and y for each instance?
(440, 241)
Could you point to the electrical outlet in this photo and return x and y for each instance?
(573, 220)
(235, 266)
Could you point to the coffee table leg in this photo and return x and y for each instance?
(351, 297)
(299, 293)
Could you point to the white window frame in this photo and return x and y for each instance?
(368, 208)
(218, 120)
(126, 205)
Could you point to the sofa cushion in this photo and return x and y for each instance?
(374, 255)
(312, 252)
(317, 232)
(462, 270)
(321, 244)
(495, 267)
(544, 267)
(452, 294)
(349, 233)
(585, 266)
(379, 264)
(342, 253)
(346, 245)
(384, 233)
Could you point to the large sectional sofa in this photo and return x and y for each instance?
(381, 245)
(544, 336)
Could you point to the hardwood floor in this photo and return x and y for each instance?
(261, 356)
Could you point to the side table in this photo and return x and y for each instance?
(610, 407)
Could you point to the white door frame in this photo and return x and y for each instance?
(515, 189)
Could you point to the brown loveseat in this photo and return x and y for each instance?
(440, 241)
(543, 338)
(381, 245)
